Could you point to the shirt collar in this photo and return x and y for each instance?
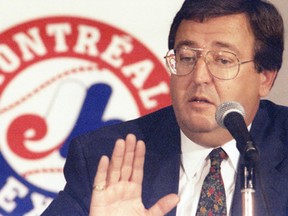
(194, 155)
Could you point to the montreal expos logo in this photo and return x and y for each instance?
(61, 77)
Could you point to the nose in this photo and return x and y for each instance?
(201, 74)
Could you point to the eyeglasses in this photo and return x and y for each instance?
(223, 65)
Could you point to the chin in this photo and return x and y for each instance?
(200, 124)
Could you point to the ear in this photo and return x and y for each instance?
(267, 79)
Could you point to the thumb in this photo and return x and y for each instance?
(164, 205)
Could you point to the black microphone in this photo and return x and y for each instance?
(230, 115)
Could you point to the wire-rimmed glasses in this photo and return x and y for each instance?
(223, 65)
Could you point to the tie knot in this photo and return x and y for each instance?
(216, 156)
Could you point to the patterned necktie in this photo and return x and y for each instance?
(213, 199)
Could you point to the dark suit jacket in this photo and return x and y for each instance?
(161, 134)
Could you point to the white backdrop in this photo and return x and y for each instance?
(279, 93)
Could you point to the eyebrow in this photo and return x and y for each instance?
(217, 44)
(188, 43)
(229, 46)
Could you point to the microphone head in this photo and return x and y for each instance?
(226, 108)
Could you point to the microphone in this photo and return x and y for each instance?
(230, 115)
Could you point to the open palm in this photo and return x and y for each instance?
(118, 183)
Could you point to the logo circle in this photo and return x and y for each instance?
(64, 76)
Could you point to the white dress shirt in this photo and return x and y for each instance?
(194, 168)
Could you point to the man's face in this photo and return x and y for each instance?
(196, 96)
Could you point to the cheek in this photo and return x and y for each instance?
(177, 89)
(172, 89)
(232, 93)
(224, 91)
(244, 92)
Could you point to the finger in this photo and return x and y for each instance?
(164, 205)
(137, 175)
(126, 169)
(100, 177)
(116, 162)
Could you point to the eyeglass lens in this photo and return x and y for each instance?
(221, 64)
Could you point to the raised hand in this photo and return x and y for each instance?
(118, 183)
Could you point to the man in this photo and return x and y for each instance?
(219, 51)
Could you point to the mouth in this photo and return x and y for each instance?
(202, 100)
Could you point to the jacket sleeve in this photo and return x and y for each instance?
(76, 196)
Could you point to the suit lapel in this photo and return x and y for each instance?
(271, 171)
(271, 189)
(162, 162)
(164, 179)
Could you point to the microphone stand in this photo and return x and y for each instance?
(248, 179)
(248, 191)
